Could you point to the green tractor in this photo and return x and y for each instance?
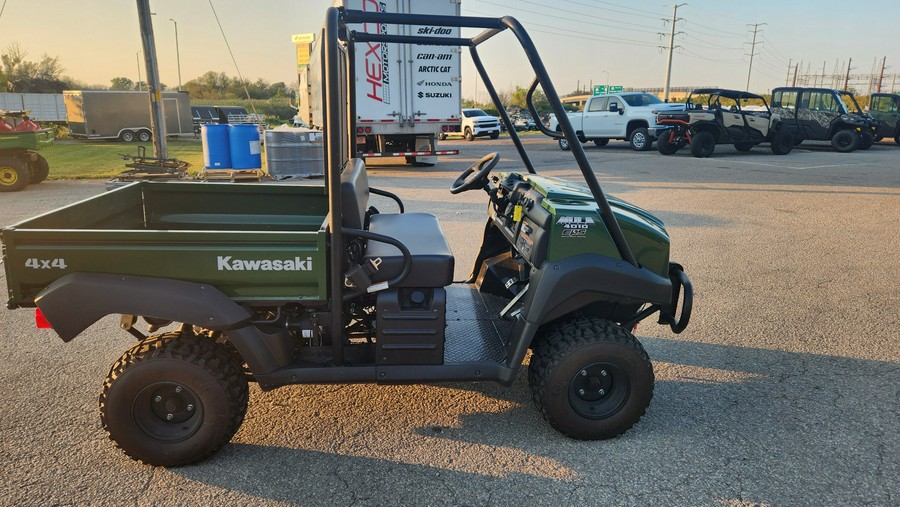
(20, 163)
(282, 285)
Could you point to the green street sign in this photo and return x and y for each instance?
(601, 89)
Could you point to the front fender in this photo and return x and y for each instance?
(563, 286)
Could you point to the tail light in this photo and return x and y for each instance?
(368, 130)
(40, 321)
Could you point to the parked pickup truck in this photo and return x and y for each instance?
(625, 116)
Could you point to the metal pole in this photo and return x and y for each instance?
(752, 51)
(137, 58)
(177, 53)
(157, 117)
(881, 75)
(671, 48)
(847, 75)
(787, 78)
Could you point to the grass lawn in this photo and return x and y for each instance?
(102, 159)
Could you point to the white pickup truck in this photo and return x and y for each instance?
(625, 116)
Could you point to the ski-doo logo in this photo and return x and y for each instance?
(227, 263)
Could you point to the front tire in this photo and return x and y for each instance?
(564, 144)
(640, 139)
(13, 174)
(664, 146)
(866, 140)
(173, 399)
(468, 135)
(591, 379)
(495, 135)
(703, 144)
(783, 143)
(127, 136)
(845, 141)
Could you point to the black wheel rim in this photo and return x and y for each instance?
(167, 411)
(599, 390)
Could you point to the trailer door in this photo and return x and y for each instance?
(434, 70)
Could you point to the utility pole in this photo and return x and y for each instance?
(752, 51)
(177, 53)
(847, 75)
(881, 75)
(137, 57)
(787, 78)
(671, 48)
(157, 118)
(796, 66)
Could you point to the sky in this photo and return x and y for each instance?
(582, 42)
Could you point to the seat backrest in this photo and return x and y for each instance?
(354, 193)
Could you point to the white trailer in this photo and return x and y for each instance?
(406, 95)
(45, 107)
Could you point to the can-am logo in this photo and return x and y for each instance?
(228, 263)
(377, 56)
(434, 56)
(433, 95)
(434, 83)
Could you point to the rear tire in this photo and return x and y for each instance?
(144, 136)
(640, 139)
(783, 143)
(703, 144)
(590, 378)
(897, 139)
(601, 142)
(13, 174)
(127, 136)
(38, 169)
(845, 141)
(173, 399)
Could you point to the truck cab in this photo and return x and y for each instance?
(885, 110)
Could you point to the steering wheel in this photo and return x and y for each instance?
(475, 176)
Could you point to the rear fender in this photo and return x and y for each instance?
(74, 302)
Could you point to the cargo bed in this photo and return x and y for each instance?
(252, 242)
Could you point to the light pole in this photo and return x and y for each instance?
(137, 56)
(177, 53)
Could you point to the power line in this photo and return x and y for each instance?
(580, 14)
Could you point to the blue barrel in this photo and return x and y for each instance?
(216, 148)
(244, 141)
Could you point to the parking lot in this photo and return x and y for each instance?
(784, 390)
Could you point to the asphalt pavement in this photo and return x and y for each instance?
(784, 390)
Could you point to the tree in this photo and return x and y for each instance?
(21, 75)
(121, 83)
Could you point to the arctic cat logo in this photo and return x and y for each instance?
(434, 68)
(226, 263)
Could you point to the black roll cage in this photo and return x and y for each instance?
(340, 113)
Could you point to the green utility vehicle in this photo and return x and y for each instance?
(297, 284)
(824, 114)
(20, 163)
(885, 109)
